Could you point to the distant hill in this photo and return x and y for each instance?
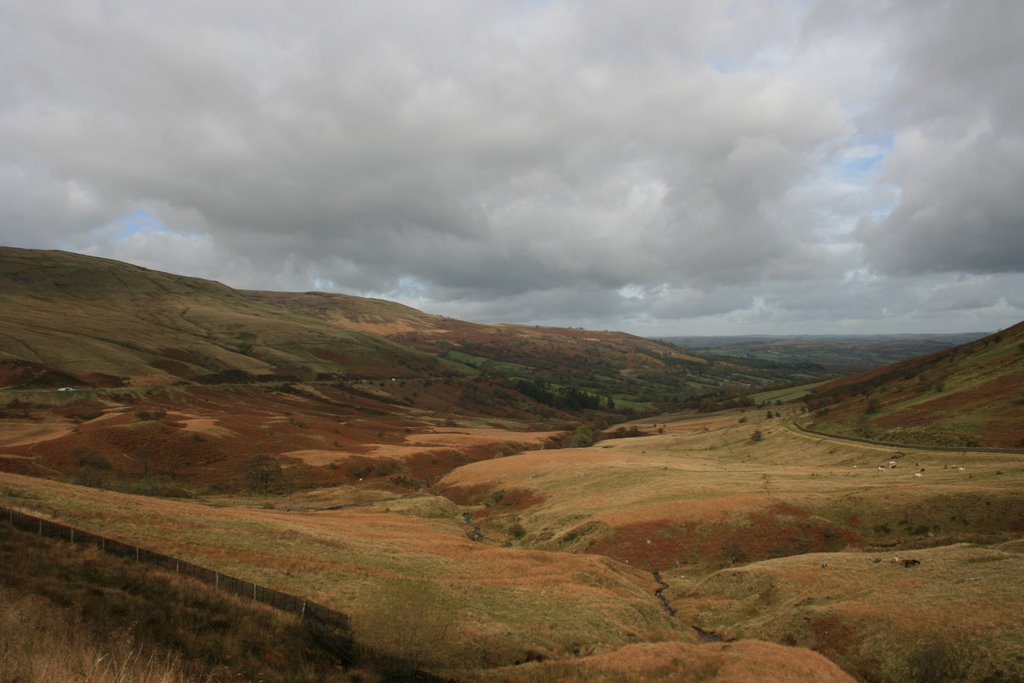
(970, 395)
(70, 320)
(822, 355)
(79, 319)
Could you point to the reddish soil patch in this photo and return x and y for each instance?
(776, 531)
(495, 501)
(430, 466)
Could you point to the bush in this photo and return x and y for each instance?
(96, 461)
(582, 437)
(756, 436)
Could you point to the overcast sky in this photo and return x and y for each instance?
(664, 167)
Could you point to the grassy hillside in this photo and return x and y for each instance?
(79, 321)
(821, 355)
(739, 525)
(971, 395)
(538, 565)
(74, 613)
(616, 369)
(103, 322)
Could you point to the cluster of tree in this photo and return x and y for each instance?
(568, 398)
(711, 403)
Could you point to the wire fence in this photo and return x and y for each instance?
(330, 629)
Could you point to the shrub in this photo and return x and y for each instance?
(96, 461)
(582, 437)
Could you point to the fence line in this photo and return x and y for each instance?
(330, 629)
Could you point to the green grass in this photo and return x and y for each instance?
(479, 362)
(785, 395)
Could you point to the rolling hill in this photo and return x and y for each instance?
(70, 320)
(411, 469)
(112, 374)
(968, 396)
(104, 322)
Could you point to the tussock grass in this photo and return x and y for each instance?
(676, 498)
(505, 602)
(953, 617)
(42, 642)
(693, 498)
(682, 663)
(72, 613)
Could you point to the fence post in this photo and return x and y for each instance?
(40, 527)
(216, 579)
(136, 553)
(254, 591)
(72, 534)
(302, 616)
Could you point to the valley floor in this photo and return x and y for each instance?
(544, 564)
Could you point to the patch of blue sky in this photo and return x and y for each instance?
(138, 221)
(859, 165)
(862, 158)
(410, 286)
(321, 283)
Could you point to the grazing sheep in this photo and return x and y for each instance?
(824, 564)
(908, 563)
(881, 468)
(918, 474)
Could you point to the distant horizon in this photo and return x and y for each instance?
(575, 324)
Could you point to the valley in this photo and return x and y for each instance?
(785, 539)
(516, 503)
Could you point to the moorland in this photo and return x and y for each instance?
(501, 502)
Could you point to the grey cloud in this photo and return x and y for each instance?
(517, 161)
(958, 151)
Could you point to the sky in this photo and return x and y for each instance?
(661, 167)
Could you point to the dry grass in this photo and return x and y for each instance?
(73, 613)
(707, 479)
(505, 602)
(957, 611)
(740, 662)
(697, 497)
(41, 642)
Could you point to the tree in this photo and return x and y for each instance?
(263, 472)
